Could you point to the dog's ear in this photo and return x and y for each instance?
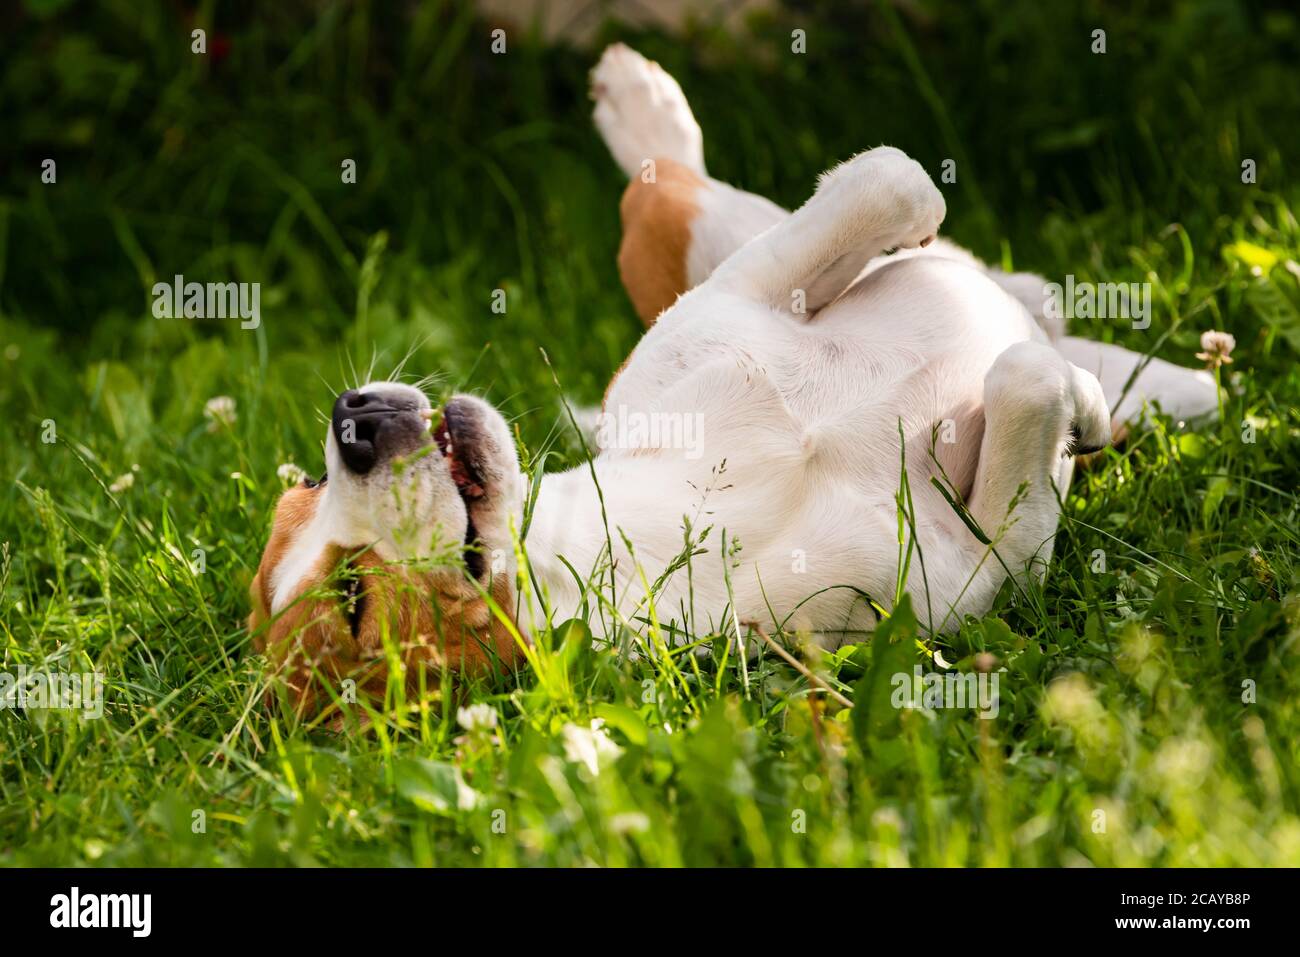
(292, 513)
(439, 621)
(438, 626)
(311, 648)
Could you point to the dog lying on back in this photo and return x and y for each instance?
(813, 364)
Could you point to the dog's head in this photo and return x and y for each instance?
(401, 539)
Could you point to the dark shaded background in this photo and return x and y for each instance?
(229, 163)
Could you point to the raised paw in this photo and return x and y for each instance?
(887, 180)
(1031, 385)
(642, 113)
(1090, 421)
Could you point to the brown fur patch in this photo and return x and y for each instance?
(295, 509)
(656, 237)
(438, 622)
(657, 221)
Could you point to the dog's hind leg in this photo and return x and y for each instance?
(642, 113)
(678, 223)
(1039, 410)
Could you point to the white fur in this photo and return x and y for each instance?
(805, 409)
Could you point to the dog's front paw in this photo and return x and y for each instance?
(1031, 383)
(1090, 429)
(899, 191)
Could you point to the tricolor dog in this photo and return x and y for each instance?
(809, 366)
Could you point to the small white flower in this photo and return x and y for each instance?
(591, 747)
(477, 717)
(123, 482)
(467, 799)
(290, 474)
(237, 476)
(1216, 347)
(220, 412)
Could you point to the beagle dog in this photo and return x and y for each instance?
(793, 378)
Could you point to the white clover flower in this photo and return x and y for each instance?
(220, 412)
(290, 474)
(477, 717)
(122, 483)
(591, 747)
(1216, 347)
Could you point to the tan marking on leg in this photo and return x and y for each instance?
(657, 236)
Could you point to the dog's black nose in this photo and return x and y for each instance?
(358, 422)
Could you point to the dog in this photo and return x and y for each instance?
(822, 373)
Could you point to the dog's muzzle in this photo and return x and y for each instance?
(375, 426)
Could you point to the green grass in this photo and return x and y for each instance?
(1124, 687)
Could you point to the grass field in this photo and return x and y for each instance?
(1150, 706)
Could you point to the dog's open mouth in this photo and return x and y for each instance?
(452, 444)
(455, 442)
